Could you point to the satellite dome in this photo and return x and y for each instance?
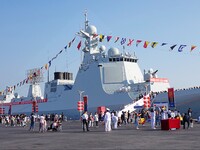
(102, 48)
(91, 29)
(113, 52)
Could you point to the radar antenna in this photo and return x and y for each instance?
(35, 76)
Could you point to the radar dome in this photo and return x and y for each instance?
(113, 52)
(16, 95)
(150, 70)
(91, 29)
(102, 48)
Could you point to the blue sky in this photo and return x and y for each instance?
(33, 32)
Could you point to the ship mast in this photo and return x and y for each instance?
(86, 20)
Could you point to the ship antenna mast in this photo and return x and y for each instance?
(86, 20)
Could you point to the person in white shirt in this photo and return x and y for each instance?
(164, 114)
(115, 120)
(107, 120)
(172, 114)
(42, 123)
(85, 120)
(96, 119)
(153, 118)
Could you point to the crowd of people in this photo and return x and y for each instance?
(113, 120)
(53, 120)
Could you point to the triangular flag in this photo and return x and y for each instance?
(24, 81)
(79, 45)
(46, 66)
(101, 37)
(108, 38)
(70, 44)
(153, 44)
(73, 39)
(54, 57)
(95, 35)
(123, 41)
(27, 80)
(138, 42)
(60, 51)
(116, 39)
(50, 63)
(180, 49)
(130, 42)
(172, 47)
(163, 44)
(192, 47)
(146, 43)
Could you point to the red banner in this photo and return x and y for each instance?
(85, 99)
(171, 97)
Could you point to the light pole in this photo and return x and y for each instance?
(80, 94)
(146, 88)
(80, 99)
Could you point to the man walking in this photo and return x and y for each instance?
(85, 121)
(107, 120)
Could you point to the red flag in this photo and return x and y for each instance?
(192, 48)
(130, 42)
(138, 42)
(146, 43)
(79, 45)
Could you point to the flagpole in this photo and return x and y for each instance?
(48, 73)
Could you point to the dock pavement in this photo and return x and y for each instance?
(125, 137)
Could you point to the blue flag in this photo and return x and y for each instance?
(180, 49)
(172, 47)
(123, 41)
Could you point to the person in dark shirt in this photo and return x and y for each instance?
(186, 118)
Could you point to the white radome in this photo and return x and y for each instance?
(102, 48)
(113, 52)
(91, 29)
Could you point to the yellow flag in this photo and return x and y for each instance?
(46, 66)
(154, 44)
(101, 37)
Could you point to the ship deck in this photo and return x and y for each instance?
(125, 137)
